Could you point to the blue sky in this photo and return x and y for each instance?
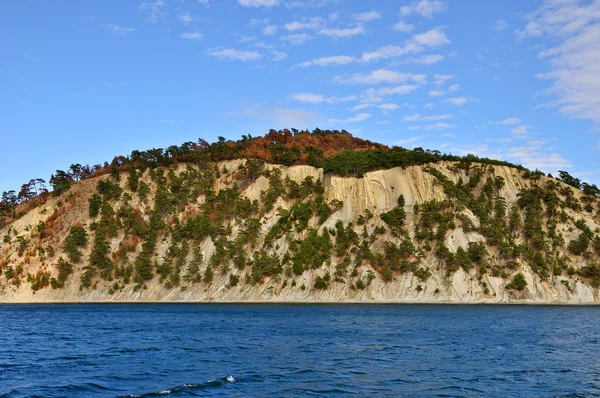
(83, 81)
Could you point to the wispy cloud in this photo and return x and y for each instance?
(259, 3)
(403, 27)
(537, 155)
(456, 101)
(358, 118)
(427, 59)
(192, 35)
(339, 33)
(575, 60)
(269, 30)
(389, 107)
(367, 16)
(297, 38)
(278, 56)
(119, 30)
(185, 18)
(499, 25)
(377, 95)
(432, 38)
(406, 141)
(319, 99)
(427, 118)
(380, 76)
(441, 79)
(313, 23)
(233, 54)
(279, 117)
(436, 93)
(424, 8)
(509, 121)
(438, 126)
(155, 9)
(325, 61)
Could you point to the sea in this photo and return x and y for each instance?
(256, 350)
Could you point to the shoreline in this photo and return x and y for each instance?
(306, 302)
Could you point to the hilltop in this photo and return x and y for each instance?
(300, 216)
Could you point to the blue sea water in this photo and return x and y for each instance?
(298, 350)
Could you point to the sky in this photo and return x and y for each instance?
(84, 81)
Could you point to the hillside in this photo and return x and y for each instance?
(266, 220)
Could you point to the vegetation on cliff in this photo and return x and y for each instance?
(182, 217)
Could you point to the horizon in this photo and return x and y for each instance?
(84, 82)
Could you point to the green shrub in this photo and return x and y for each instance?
(76, 239)
(518, 282)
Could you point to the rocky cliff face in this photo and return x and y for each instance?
(441, 233)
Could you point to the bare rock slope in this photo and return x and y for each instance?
(440, 233)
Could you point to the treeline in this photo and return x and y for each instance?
(357, 163)
(286, 147)
(338, 152)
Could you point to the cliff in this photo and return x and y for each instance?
(444, 232)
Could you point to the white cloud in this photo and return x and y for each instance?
(319, 99)
(520, 131)
(205, 2)
(380, 76)
(313, 23)
(361, 106)
(499, 25)
(536, 155)
(428, 59)
(389, 51)
(367, 16)
(192, 35)
(456, 101)
(432, 38)
(407, 141)
(269, 30)
(376, 95)
(278, 56)
(454, 87)
(326, 61)
(296, 39)
(509, 121)
(428, 118)
(428, 105)
(185, 18)
(264, 45)
(389, 107)
(280, 117)
(120, 30)
(259, 3)
(339, 33)
(154, 8)
(404, 27)
(412, 118)
(438, 126)
(424, 8)
(575, 60)
(244, 39)
(358, 118)
(233, 54)
(441, 79)
(436, 93)
(256, 21)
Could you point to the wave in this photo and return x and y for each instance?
(188, 388)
